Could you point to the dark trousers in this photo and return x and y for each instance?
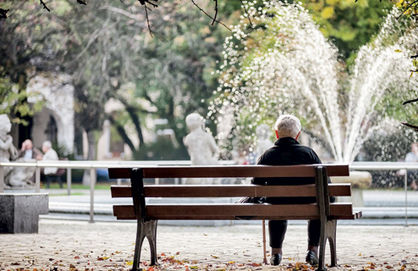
(277, 231)
(52, 178)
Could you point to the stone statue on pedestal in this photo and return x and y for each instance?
(18, 176)
(200, 144)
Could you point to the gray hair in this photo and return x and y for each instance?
(47, 144)
(288, 126)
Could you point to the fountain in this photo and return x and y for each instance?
(281, 63)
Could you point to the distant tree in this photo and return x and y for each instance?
(348, 24)
(22, 53)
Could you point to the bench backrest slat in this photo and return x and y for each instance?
(229, 171)
(230, 190)
(231, 211)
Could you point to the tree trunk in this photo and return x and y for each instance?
(122, 133)
(91, 155)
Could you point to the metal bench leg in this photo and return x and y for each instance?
(332, 238)
(152, 240)
(321, 258)
(146, 229)
(140, 230)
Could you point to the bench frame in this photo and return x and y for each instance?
(147, 226)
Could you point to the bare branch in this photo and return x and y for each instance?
(246, 13)
(216, 12)
(144, 2)
(146, 16)
(415, 56)
(410, 126)
(410, 101)
(204, 12)
(407, 8)
(44, 5)
(81, 2)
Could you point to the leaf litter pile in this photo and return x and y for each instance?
(109, 246)
(114, 261)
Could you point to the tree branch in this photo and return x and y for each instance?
(213, 19)
(148, 23)
(216, 12)
(44, 5)
(246, 13)
(122, 133)
(410, 126)
(406, 8)
(410, 101)
(134, 117)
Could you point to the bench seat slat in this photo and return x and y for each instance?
(232, 211)
(231, 191)
(229, 171)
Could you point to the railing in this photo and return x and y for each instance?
(93, 165)
(389, 166)
(69, 165)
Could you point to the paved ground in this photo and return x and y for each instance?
(69, 245)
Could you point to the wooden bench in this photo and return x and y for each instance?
(147, 215)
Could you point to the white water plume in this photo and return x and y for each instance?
(286, 65)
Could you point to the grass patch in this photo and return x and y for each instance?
(80, 186)
(65, 194)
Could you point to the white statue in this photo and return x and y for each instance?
(7, 149)
(263, 133)
(201, 145)
(18, 176)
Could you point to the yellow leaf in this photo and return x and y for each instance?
(327, 12)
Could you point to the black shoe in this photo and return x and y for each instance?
(276, 259)
(311, 258)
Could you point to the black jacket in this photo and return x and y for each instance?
(287, 151)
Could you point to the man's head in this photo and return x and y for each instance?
(287, 126)
(27, 145)
(46, 146)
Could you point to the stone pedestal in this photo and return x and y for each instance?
(19, 213)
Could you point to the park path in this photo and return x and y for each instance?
(69, 245)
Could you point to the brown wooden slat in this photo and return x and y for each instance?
(230, 190)
(229, 171)
(234, 211)
(120, 173)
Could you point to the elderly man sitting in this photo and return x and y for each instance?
(50, 155)
(28, 152)
(288, 151)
